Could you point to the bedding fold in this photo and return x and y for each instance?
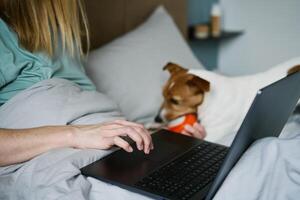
(57, 102)
(270, 169)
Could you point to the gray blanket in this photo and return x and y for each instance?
(56, 102)
(269, 170)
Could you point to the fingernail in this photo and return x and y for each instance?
(141, 147)
(130, 149)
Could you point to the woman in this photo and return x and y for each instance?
(41, 39)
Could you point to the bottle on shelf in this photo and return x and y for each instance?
(216, 15)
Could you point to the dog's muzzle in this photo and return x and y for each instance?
(158, 119)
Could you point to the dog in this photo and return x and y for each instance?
(221, 102)
(183, 94)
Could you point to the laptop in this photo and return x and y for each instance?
(182, 167)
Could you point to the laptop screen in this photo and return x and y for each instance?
(266, 117)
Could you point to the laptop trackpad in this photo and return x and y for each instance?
(128, 168)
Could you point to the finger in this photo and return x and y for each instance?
(134, 135)
(190, 129)
(144, 133)
(111, 130)
(194, 132)
(147, 140)
(122, 143)
(184, 132)
(127, 123)
(110, 126)
(200, 128)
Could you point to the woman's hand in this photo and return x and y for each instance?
(197, 131)
(19, 145)
(106, 135)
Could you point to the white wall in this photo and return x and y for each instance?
(272, 34)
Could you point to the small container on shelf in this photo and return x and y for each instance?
(216, 15)
(201, 31)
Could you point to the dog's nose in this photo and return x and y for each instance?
(158, 119)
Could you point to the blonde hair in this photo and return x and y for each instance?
(40, 24)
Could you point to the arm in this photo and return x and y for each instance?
(20, 145)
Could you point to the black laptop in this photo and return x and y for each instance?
(181, 167)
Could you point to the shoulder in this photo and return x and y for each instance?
(8, 38)
(7, 69)
(13, 58)
(9, 45)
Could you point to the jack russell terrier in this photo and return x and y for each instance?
(228, 98)
(183, 94)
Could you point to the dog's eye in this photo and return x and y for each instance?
(174, 101)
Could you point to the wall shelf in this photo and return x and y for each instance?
(207, 50)
(225, 34)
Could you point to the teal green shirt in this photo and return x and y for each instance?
(20, 69)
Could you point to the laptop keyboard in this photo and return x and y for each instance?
(186, 175)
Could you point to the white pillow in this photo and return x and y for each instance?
(226, 104)
(129, 69)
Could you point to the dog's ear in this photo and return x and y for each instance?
(293, 70)
(174, 68)
(195, 81)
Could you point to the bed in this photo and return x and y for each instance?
(129, 51)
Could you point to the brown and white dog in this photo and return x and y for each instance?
(220, 102)
(183, 93)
